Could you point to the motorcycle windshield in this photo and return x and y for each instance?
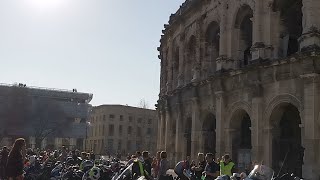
(261, 172)
(125, 174)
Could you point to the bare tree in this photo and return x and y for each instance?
(47, 118)
(143, 104)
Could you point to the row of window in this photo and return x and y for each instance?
(102, 131)
(112, 146)
(121, 118)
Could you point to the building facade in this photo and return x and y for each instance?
(242, 77)
(122, 129)
(46, 118)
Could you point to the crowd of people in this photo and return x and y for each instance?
(13, 161)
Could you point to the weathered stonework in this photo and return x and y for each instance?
(242, 60)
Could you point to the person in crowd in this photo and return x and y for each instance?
(227, 167)
(3, 161)
(133, 157)
(181, 167)
(201, 165)
(92, 156)
(139, 156)
(211, 171)
(164, 165)
(156, 164)
(15, 163)
(64, 154)
(147, 164)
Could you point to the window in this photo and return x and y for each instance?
(139, 131)
(129, 145)
(149, 121)
(149, 131)
(121, 118)
(110, 145)
(138, 145)
(129, 130)
(104, 117)
(111, 130)
(119, 145)
(111, 116)
(130, 118)
(139, 120)
(120, 130)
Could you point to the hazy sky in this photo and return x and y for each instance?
(105, 47)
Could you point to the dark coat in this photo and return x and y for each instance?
(14, 166)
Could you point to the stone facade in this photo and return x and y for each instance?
(242, 77)
(122, 129)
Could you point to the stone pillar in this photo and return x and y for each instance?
(169, 67)
(195, 133)
(162, 126)
(197, 67)
(223, 61)
(220, 118)
(310, 122)
(179, 135)
(257, 139)
(310, 39)
(259, 50)
(181, 65)
(168, 134)
(229, 134)
(268, 135)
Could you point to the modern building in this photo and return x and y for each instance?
(46, 118)
(122, 129)
(242, 77)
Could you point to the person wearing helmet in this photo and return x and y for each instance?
(93, 174)
(86, 165)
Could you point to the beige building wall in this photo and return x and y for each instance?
(121, 129)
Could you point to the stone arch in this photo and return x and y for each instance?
(240, 105)
(208, 133)
(275, 101)
(290, 25)
(286, 137)
(190, 58)
(238, 133)
(243, 34)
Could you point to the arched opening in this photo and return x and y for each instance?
(291, 25)
(187, 135)
(190, 59)
(241, 139)
(287, 151)
(212, 45)
(243, 25)
(209, 134)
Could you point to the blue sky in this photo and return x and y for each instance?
(105, 47)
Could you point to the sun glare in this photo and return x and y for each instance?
(46, 4)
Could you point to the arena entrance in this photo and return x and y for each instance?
(209, 134)
(287, 151)
(241, 139)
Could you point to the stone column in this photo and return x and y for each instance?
(259, 50)
(181, 65)
(257, 140)
(229, 134)
(268, 135)
(310, 39)
(197, 67)
(169, 68)
(310, 122)
(162, 135)
(195, 133)
(223, 62)
(179, 139)
(168, 132)
(220, 118)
